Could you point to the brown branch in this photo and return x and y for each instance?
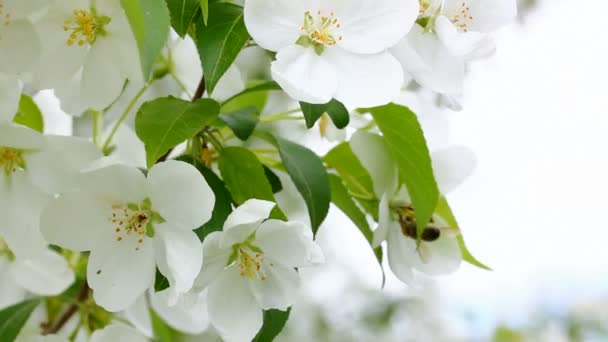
(83, 294)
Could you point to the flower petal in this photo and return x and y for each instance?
(179, 258)
(215, 259)
(116, 182)
(243, 221)
(180, 194)
(444, 257)
(119, 273)
(275, 24)
(452, 166)
(10, 91)
(490, 15)
(189, 314)
(376, 158)
(20, 46)
(365, 80)
(288, 243)
(233, 309)
(458, 43)
(402, 255)
(304, 75)
(20, 137)
(47, 275)
(279, 289)
(385, 222)
(117, 333)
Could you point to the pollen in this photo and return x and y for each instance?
(5, 15)
(461, 17)
(83, 27)
(250, 264)
(11, 160)
(320, 28)
(132, 228)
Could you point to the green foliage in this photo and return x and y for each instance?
(255, 92)
(273, 179)
(14, 317)
(334, 108)
(166, 122)
(150, 22)
(182, 13)
(274, 322)
(405, 140)
(242, 122)
(220, 41)
(160, 282)
(244, 175)
(29, 114)
(205, 10)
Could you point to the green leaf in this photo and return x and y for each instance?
(444, 210)
(342, 199)
(405, 140)
(310, 177)
(182, 13)
(242, 122)
(150, 22)
(222, 208)
(334, 108)
(244, 175)
(205, 10)
(14, 317)
(160, 282)
(29, 114)
(274, 321)
(162, 331)
(166, 122)
(260, 88)
(273, 179)
(356, 178)
(220, 41)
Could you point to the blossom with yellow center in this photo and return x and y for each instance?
(84, 27)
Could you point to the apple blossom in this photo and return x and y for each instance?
(133, 224)
(438, 252)
(333, 49)
(250, 266)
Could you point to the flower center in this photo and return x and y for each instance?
(317, 31)
(460, 16)
(11, 160)
(133, 223)
(250, 260)
(407, 221)
(84, 27)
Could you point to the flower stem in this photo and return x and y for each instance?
(283, 116)
(83, 294)
(97, 124)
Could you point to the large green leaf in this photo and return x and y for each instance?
(242, 122)
(244, 175)
(182, 13)
(405, 140)
(334, 108)
(220, 41)
(274, 321)
(150, 23)
(356, 178)
(444, 210)
(13, 318)
(166, 122)
(29, 114)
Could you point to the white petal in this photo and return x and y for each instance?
(385, 221)
(116, 183)
(186, 67)
(275, 24)
(12, 293)
(288, 243)
(444, 257)
(20, 46)
(490, 15)
(244, 220)
(188, 315)
(56, 168)
(117, 333)
(279, 290)
(129, 149)
(458, 43)
(47, 275)
(376, 158)
(10, 92)
(179, 258)
(20, 137)
(452, 166)
(233, 309)
(402, 255)
(102, 81)
(376, 25)
(215, 259)
(230, 84)
(304, 75)
(118, 273)
(138, 314)
(365, 80)
(180, 194)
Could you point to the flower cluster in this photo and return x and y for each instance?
(188, 190)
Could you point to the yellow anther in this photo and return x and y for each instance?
(84, 27)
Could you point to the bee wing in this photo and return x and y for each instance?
(425, 253)
(451, 232)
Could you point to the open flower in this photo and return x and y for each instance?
(333, 49)
(439, 252)
(250, 267)
(133, 224)
(88, 52)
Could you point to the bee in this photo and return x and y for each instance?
(429, 234)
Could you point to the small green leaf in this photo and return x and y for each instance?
(29, 114)
(220, 41)
(150, 23)
(160, 282)
(162, 331)
(242, 122)
(405, 140)
(334, 108)
(263, 88)
(244, 175)
(205, 10)
(182, 13)
(274, 322)
(166, 122)
(273, 179)
(444, 210)
(13, 318)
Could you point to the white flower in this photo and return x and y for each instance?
(34, 167)
(250, 267)
(333, 49)
(133, 224)
(438, 252)
(117, 333)
(19, 42)
(88, 53)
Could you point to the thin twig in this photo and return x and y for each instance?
(83, 294)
